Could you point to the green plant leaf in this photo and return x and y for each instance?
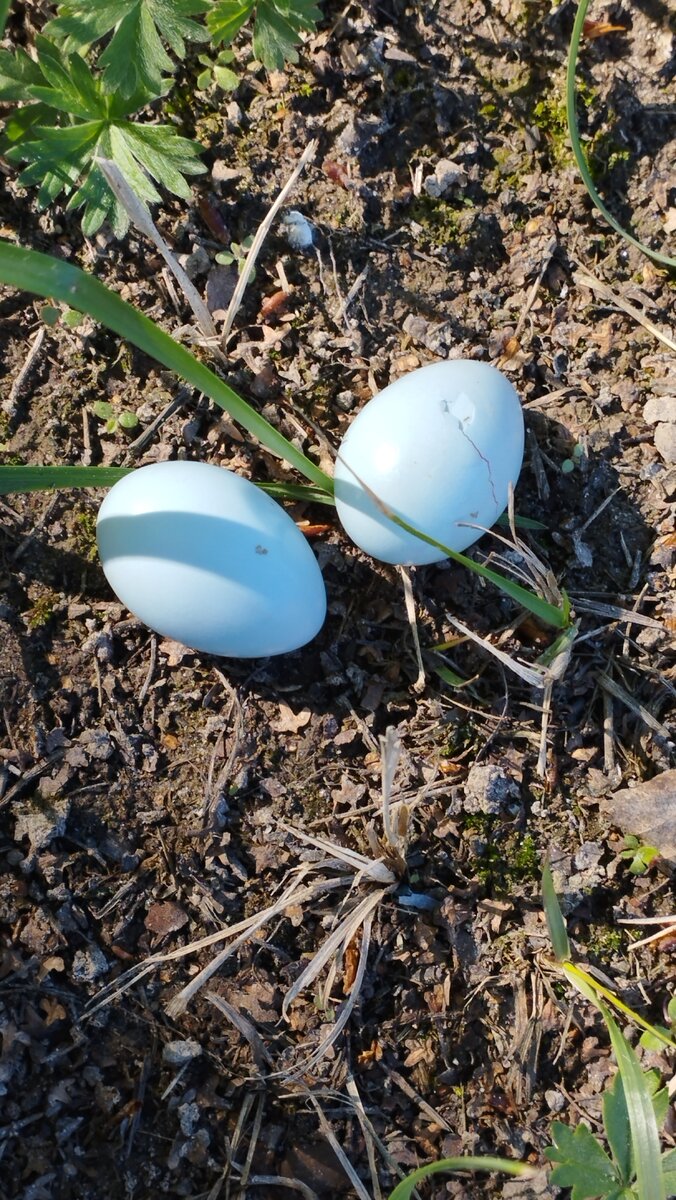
(62, 157)
(450, 677)
(135, 55)
(297, 491)
(227, 17)
(406, 1188)
(556, 925)
(103, 410)
(127, 420)
(33, 272)
(616, 1125)
(580, 158)
(17, 73)
(40, 479)
(21, 121)
(277, 30)
(582, 1163)
(669, 1172)
(5, 6)
(278, 25)
(546, 612)
(645, 1138)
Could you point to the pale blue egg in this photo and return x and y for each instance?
(440, 448)
(203, 556)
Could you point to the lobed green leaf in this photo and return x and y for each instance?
(138, 29)
(582, 1163)
(277, 30)
(227, 17)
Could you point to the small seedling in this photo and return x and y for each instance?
(237, 254)
(51, 316)
(115, 418)
(637, 855)
(575, 460)
(217, 72)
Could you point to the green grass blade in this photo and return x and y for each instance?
(450, 677)
(580, 159)
(297, 491)
(556, 925)
(49, 277)
(645, 1137)
(405, 1189)
(592, 989)
(546, 612)
(40, 479)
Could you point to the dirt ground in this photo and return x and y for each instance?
(152, 796)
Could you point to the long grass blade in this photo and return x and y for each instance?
(42, 275)
(40, 479)
(580, 159)
(556, 925)
(405, 1189)
(549, 613)
(18, 479)
(591, 988)
(645, 1136)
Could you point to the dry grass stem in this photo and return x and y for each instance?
(616, 613)
(293, 894)
(639, 710)
(530, 675)
(336, 941)
(9, 404)
(409, 601)
(585, 279)
(260, 236)
(338, 1150)
(139, 215)
(244, 1027)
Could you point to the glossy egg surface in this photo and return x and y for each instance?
(203, 556)
(439, 447)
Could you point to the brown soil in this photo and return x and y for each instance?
(144, 785)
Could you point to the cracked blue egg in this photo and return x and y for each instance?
(203, 556)
(440, 448)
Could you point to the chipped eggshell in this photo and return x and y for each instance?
(440, 448)
(206, 558)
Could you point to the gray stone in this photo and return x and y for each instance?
(89, 964)
(178, 1053)
(447, 174)
(189, 1118)
(589, 855)
(665, 442)
(489, 789)
(660, 408)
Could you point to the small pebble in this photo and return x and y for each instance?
(665, 441)
(89, 964)
(660, 408)
(555, 1101)
(490, 790)
(178, 1053)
